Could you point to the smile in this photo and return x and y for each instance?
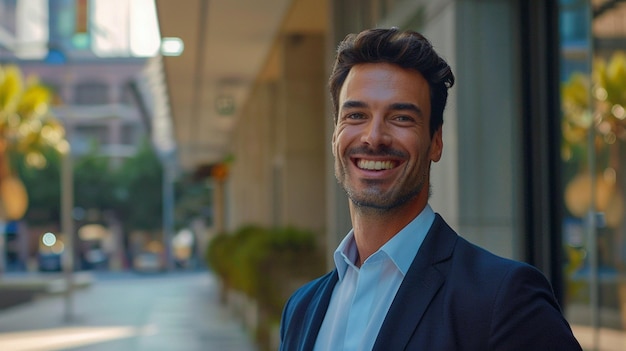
(375, 165)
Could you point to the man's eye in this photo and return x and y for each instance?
(404, 118)
(355, 116)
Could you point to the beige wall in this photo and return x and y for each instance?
(250, 188)
(278, 176)
(302, 92)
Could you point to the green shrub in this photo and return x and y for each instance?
(267, 265)
(217, 253)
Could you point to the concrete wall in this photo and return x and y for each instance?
(250, 187)
(488, 114)
(278, 176)
(303, 140)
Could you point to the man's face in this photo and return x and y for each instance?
(381, 141)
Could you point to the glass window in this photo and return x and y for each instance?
(127, 96)
(593, 101)
(91, 93)
(130, 134)
(87, 134)
(8, 16)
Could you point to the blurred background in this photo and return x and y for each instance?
(191, 140)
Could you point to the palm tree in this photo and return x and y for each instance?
(27, 128)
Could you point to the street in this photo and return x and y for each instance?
(127, 311)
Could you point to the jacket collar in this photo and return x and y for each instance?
(422, 282)
(317, 311)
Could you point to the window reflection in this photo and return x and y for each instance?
(593, 102)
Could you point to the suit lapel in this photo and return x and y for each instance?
(317, 311)
(418, 288)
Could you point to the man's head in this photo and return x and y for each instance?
(389, 89)
(406, 49)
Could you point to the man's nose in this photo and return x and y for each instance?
(376, 133)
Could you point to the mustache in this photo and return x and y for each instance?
(379, 152)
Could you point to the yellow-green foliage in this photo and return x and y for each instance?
(266, 264)
(26, 124)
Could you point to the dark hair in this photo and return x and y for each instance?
(407, 49)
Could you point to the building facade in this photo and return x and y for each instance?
(537, 104)
(102, 94)
(534, 132)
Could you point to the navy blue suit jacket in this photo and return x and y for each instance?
(455, 296)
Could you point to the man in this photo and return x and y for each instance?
(404, 280)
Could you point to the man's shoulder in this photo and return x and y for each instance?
(482, 254)
(471, 255)
(473, 263)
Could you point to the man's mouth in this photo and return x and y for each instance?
(372, 165)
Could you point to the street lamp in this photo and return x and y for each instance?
(67, 224)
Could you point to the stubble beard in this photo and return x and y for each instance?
(374, 200)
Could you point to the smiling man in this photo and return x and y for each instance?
(404, 280)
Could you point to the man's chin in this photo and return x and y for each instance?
(377, 204)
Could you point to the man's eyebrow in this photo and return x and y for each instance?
(353, 104)
(397, 106)
(406, 106)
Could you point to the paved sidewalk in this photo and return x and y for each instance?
(127, 312)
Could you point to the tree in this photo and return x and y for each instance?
(44, 188)
(193, 200)
(133, 191)
(141, 195)
(95, 183)
(28, 133)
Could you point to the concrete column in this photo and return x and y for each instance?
(252, 189)
(279, 175)
(488, 142)
(303, 140)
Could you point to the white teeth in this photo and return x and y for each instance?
(375, 165)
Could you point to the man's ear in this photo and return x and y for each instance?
(332, 143)
(436, 145)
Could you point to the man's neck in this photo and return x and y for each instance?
(373, 227)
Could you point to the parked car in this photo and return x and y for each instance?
(148, 261)
(49, 262)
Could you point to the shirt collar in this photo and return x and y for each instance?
(346, 254)
(401, 249)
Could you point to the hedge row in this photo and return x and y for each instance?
(267, 265)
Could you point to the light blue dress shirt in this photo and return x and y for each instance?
(362, 296)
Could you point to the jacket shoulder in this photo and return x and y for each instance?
(305, 310)
(516, 306)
